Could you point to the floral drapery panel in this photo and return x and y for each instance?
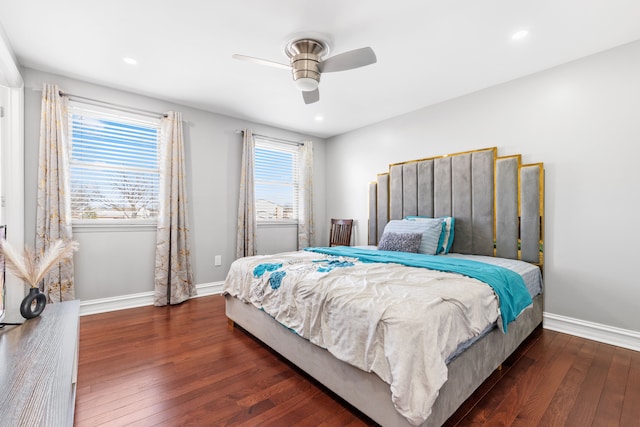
(247, 228)
(173, 274)
(306, 235)
(53, 209)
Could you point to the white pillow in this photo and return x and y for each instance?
(448, 225)
(430, 231)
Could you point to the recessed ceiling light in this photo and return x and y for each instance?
(519, 35)
(130, 61)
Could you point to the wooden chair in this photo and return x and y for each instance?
(340, 232)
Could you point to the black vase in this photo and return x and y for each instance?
(33, 304)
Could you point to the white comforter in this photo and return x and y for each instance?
(398, 322)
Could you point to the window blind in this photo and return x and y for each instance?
(114, 165)
(276, 181)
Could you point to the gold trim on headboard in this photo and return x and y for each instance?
(541, 195)
(495, 153)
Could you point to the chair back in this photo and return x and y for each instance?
(340, 232)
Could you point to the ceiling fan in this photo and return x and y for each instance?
(307, 63)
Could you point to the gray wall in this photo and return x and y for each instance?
(581, 119)
(111, 263)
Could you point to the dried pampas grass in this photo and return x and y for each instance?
(25, 266)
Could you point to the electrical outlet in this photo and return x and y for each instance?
(218, 260)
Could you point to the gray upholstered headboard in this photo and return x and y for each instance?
(497, 202)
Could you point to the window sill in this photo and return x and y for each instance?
(113, 226)
(277, 224)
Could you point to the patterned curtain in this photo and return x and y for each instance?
(306, 235)
(173, 275)
(53, 210)
(247, 228)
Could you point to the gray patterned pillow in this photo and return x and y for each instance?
(400, 242)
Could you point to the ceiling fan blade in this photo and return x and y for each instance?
(311, 97)
(261, 61)
(348, 60)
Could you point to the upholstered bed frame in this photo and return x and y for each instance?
(497, 203)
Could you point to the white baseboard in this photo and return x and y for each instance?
(593, 331)
(122, 302)
(212, 288)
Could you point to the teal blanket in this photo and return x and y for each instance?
(513, 295)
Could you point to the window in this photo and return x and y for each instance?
(276, 181)
(114, 165)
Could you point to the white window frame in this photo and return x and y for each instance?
(285, 147)
(99, 112)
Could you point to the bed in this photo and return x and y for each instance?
(496, 204)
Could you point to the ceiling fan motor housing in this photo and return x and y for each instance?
(305, 66)
(305, 55)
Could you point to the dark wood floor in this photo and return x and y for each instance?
(182, 366)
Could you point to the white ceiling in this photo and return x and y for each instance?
(428, 51)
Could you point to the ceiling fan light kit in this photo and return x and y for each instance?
(305, 56)
(306, 84)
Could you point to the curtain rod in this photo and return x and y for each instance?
(274, 139)
(118, 107)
